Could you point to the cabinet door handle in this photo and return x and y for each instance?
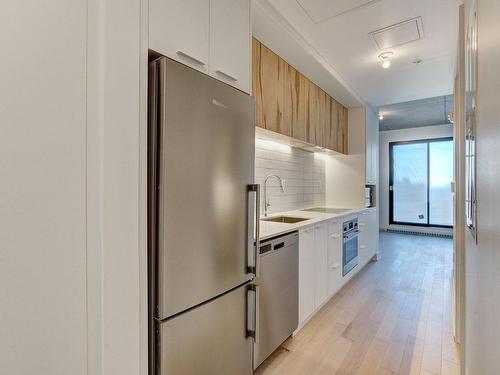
(335, 236)
(362, 224)
(228, 76)
(189, 57)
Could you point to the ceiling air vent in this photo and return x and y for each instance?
(398, 34)
(322, 10)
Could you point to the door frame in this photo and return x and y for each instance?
(391, 182)
(459, 195)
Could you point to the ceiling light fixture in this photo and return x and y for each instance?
(385, 58)
(272, 145)
(321, 155)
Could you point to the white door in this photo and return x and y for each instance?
(321, 263)
(230, 38)
(180, 30)
(306, 273)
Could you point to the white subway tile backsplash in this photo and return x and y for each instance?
(303, 174)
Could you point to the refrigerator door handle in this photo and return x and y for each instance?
(254, 242)
(257, 315)
(253, 320)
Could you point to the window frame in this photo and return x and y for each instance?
(391, 182)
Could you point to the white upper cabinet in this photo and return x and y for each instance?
(371, 147)
(212, 36)
(180, 30)
(230, 42)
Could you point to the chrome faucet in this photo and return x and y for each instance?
(266, 200)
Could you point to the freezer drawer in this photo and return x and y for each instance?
(210, 339)
(205, 151)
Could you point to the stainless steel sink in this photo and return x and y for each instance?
(285, 219)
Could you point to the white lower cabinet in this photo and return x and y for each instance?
(320, 259)
(321, 262)
(334, 270)
(314, 269)
(307, 279)
(368, 235)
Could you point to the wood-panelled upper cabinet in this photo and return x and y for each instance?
(269, 89)
(331, 131)
(296, 102)
(290, 104)
(324, 118)
(336, 136)
(230, 48)
(180, 30)
(343, 130)
(314, 133)
(212, 36)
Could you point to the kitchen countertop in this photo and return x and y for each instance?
(270, 229)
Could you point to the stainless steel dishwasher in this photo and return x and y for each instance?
(278, 300)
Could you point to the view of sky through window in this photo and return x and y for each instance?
(422, 175)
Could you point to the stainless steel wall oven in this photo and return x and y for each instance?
(350, 246)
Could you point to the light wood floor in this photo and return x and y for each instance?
(394, 317)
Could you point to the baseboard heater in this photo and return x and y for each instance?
(416, 233)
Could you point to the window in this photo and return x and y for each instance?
(420, 179)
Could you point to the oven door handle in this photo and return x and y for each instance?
(351, 235)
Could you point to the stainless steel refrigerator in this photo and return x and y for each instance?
(202, 212)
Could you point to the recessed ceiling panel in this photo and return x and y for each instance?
(416, 113)
(398, 34)
(321, 10)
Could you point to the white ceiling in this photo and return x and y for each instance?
(339, 32)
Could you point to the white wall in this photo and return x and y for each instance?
(303, 171)
(346, 174)
(123, 65)
(426, 132)
(72, 190)
(483, 260)
(43, 321)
